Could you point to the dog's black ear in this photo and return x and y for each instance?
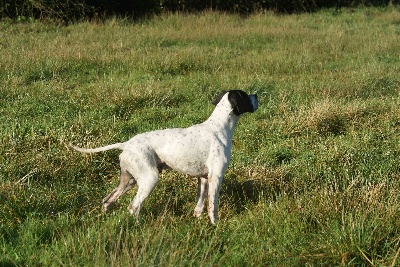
(240, 102)
(218, 98)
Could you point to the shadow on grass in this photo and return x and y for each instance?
(177, 196)
(7, 263)
(243, 187)
(240, 194)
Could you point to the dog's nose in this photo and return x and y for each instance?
(254, 101)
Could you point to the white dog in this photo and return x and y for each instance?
(202, 151)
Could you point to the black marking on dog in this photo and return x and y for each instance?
(239, 100)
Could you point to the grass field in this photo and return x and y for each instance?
(314, 178)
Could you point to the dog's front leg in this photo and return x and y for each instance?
(202, 187)
(213, 193)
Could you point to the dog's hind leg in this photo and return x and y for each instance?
(146, 184)
(202, 188)
(126, 181)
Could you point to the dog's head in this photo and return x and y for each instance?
(240, 101)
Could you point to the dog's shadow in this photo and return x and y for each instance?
(176, 194)
(177, 197)
(242, 189)
(238, 195)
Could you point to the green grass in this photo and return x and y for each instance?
(314, 176)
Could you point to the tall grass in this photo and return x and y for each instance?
(314, 176)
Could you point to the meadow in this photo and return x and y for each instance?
(314, 178)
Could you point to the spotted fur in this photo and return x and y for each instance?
(202, 150)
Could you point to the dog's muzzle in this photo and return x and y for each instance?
(254, 101)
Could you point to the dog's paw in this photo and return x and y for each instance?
(134, 210)
(213, 218)
(106, 206)
(197, 212)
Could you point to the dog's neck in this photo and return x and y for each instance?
(223, 120)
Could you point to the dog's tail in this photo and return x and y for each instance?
(99, 149)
